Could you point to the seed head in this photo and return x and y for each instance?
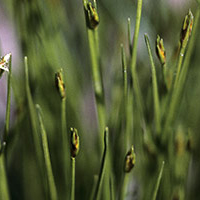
(160, 50)
(129, 160)
(186, 29)
(74, 142)
(60, 84)
(4, 63)
(92, 17)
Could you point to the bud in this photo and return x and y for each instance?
(129, 160)
(60, 84)
(92, 17)
(160, 50)
(186, 29)
(74, 142)
(4, 63)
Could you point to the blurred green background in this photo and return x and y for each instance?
(52, 34)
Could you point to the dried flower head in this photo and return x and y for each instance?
(186, 29)
(129, 160)
(160, 50)
(92, 17)
(59, 82)
(4, 63)
(74, 142)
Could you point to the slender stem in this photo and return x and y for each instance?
(50, 177)
(97, 80)
(8, 98)
(124, 186)
(103, 166)
(136, 87)
(129, 36)
(180, 84)
(73, 179)
(180, 61)
(158, 181)
(125, 87)
(94, 187)
(155, 87)
(65, 142)
(32, 113)
(4, 193)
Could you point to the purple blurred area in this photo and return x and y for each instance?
(8, 44)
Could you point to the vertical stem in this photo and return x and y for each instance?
(97, 83)
(158, 181)
(155, 88)
(4, 193)
(180, 83)
(124, 186)
(50, 177)
(8, 98)
(103, 166)
(136, 87)
(73, 179)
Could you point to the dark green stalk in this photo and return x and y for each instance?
(129, 36)
(124, 186)
(32, 113)
(136, 87)
(50, 177)
(103, 166)
(8, 98)
(180, 84)
(73, 179)
(155, 87)
(184, 42)
(158, 181)
(125, 93)
(94, 187)
(4, 192)
(96, 74)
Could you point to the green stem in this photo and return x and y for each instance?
(4, 193)
(32, 113)
(73, 179)
(103, 166)
(125, 93)
(94, 187)
(129, 36)
(124, 186)
(97, 80)
(180, 84)
(50, 177)
(158, 181)
(155, 87)
(8, 98)
(65, 142)
(136, 87)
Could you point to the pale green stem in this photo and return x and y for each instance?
(103, 166)
(50, 177)
(124, 186)
(136, 87)
(180, 84)
(4, 193)
(73, 179)
(8, 98)
(97, 83)
(158, 181)
(155, 87)
(129, 36)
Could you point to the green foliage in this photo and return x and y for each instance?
(116, 98)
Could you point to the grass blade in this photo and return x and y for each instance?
(50, 177)
(136, 87)
(103, 166)
(158, 181)
(155, 87)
